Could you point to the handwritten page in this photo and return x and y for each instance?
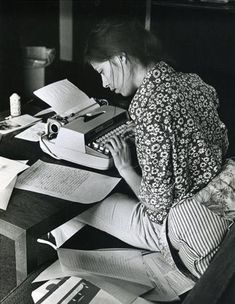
(67, 183)
(32, 133)
(63, 96)
(16, 123)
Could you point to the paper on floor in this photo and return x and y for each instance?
(71, 290)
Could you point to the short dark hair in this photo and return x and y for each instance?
(112, 37)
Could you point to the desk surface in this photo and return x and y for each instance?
(30, 215)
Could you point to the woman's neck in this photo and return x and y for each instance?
(140, 72)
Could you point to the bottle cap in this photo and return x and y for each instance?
(15, 96)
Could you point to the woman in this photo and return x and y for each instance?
(181, 147)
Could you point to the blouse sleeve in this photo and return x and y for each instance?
(155, 158)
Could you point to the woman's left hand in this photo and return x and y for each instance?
(120, 152)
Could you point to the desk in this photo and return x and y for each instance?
(30, 215)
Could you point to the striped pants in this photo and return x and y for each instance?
(196, 233)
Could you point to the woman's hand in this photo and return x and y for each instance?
(120, 152)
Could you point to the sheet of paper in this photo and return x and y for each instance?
(63, 96)
(120, 264)
(8, 175)
(44, 111)
(53, 271)
(67, 183)
(8, 170)
(5, 194)
(141, 301)
(16, 123)
(162, 272)
(124, 265)
(125, 291)
(32, 133)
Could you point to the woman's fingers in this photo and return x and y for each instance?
(116, 143)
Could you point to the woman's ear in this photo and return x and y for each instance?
(123, 57)
(119, 59)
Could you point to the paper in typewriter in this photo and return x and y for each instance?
(65, 97)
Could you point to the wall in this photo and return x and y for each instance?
(24, 23)
(36, 23)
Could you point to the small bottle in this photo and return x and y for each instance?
(15, 105)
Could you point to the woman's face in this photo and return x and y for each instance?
(116, 75)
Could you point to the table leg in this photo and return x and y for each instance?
(21, 257)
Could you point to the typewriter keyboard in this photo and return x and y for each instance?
(99, 143)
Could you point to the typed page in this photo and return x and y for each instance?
(120, 264)
(66, 182)
(63, 96)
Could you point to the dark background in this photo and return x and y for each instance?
(198, 37)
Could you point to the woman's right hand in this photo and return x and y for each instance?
(120, 152)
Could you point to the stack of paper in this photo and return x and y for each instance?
(8, 175)
(129, 275)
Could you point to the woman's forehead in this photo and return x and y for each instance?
(99, 65)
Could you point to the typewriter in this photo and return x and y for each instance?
(81, 138)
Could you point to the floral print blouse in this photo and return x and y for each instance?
(180, 140)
